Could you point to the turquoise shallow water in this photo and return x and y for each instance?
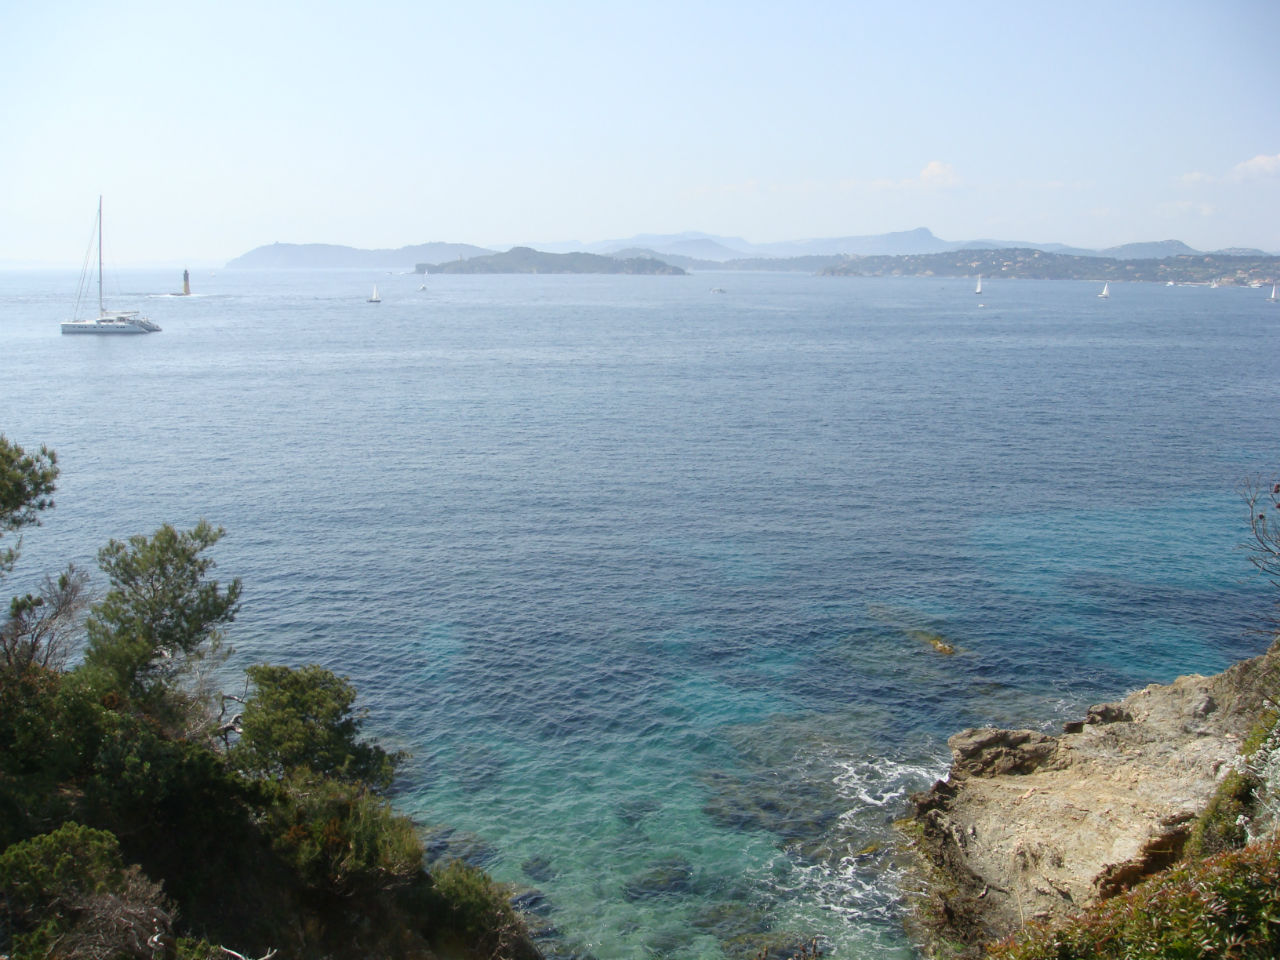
(641, 575)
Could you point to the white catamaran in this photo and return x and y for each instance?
(107, 321)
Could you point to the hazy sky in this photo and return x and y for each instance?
(215, 127)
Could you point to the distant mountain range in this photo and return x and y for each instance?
(328, 256)
(902, 243)
(699, 251)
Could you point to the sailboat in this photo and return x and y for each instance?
(375, 298)
(107, 321)
(1106, 292)
(979, 289)
(1273, 298)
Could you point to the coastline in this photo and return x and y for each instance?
(1029, 826)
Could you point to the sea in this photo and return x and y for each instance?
(653, 576)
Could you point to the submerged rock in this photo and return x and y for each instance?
(935, 640)
(532, 902)
(729, 919)
(778, 945)
(446, 843)
(538, 869)
(635, 809)
(667, 943)
(796, 809)
(673, 876)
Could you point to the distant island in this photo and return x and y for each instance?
(1028, 264)
(528, 260)
(685, 249)
(905, 253)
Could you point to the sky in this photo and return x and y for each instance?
(213, 128)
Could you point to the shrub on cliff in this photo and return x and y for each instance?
(26, 488)
(129, 813)
(1245, 805)
(69, 894)
(1225, 906)
(159, 627)
(342, 838)
(304, 721)
(480, 913)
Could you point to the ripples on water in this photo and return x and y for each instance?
(645, 578)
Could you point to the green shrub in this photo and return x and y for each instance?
(1227, 905)
(69, 894)
(305, 719)
(1221, 826)
(343, 838)
(476, 912)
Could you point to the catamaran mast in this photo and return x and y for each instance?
(100, 309)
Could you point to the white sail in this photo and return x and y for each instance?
(979, 287)
(1106, 291)
(1273, 298)
(375, 298)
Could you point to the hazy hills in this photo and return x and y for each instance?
(313, 256)
(901, 243)
(697, 251)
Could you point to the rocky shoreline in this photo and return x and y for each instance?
(1029, 826)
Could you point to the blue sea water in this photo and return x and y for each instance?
(644, 576)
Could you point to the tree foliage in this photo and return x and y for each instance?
(480, 911)
(163, 616)
(69, 894)
(40, 628)
(26, 488)
(304, 720)
(111, 782)
(342, 837)
(1263, 502)
(50, 728)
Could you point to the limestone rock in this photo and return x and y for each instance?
(1029, 825)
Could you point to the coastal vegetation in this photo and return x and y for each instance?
(1030, 264)
(145, 814)
(1225, 906)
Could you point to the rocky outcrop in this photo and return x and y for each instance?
(1031, 826)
